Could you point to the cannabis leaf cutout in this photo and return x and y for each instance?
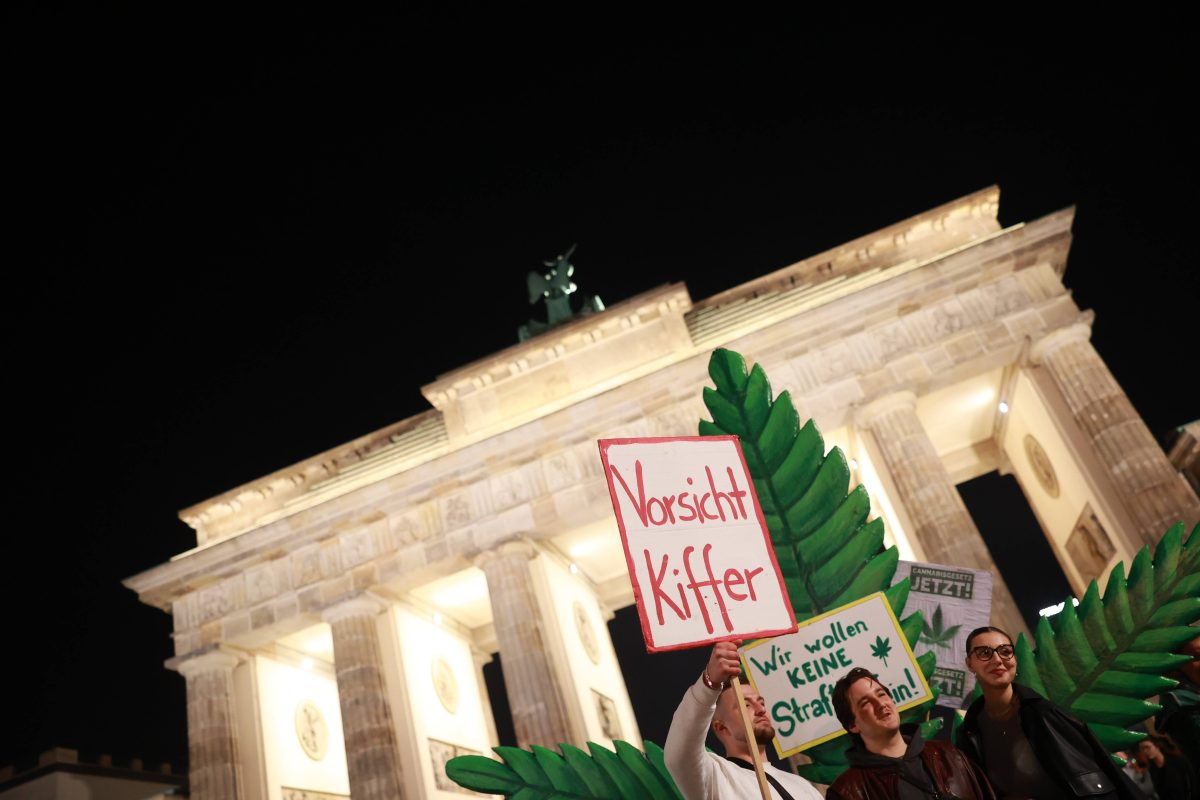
(542, 774)
(881, 649)
(936, 634)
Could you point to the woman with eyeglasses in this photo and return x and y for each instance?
(1026, 745)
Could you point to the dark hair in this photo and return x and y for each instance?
(841, 702)
(985, 629)
(1165, 744)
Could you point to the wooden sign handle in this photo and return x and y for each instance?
(750, 740)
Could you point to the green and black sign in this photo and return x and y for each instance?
(943, 582)
(953, 600)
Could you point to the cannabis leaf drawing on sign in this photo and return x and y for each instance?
(936, 634)
(881, 649)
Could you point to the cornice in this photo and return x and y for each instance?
(415, 439)
(938, 230)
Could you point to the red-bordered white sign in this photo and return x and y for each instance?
(697, 547)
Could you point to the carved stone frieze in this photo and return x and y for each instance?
(330, 557)
(834, 362)
(217, 601)
(260, 582)
(416, 524)
(561, 469)
(457, 509)
(355, 547)
(183, 612)
(947, 319)
(673, 422)
(515, 486)
(1006, 296)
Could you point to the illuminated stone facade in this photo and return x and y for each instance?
(484, 525)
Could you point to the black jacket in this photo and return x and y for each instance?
(1066, 748)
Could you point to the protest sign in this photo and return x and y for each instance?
(795, 674)
(697, 547)
(954, 601)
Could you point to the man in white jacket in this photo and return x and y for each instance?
(710, 701)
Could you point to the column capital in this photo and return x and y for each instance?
(363, 605)
(209, 661)
(479, 657)
(866, 416)
(516, 547)
(1076, 332)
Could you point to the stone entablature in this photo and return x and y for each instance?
(953, 318)
(632, 338)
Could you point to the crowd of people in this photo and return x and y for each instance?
(1012, 743)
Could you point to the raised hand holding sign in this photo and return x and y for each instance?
(699, 556)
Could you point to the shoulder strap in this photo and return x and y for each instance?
(783, 793)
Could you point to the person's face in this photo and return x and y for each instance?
(1147, 751)
(874, 710)
(994, 672)
(731, 718)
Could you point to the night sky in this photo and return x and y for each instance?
(242, 240)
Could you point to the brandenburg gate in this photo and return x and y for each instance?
(333, 619)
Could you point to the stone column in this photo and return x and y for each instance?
(942, 524)
(1150, 488)
(372, 757)
(534, 693)
(214, 771)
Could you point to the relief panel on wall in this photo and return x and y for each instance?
(439, 753)
(606, 710)
(1039, 462)
(587, 635)
(1089, 545)
(311, 730)
(444, 684)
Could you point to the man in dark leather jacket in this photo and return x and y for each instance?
(1065, 747)
(890, 763)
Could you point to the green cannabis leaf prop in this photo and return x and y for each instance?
(828, 552)
(541, 773)
(1103, 659)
